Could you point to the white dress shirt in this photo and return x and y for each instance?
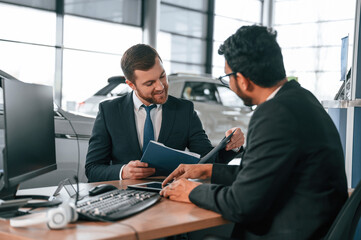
(273, 93)
(140, 115)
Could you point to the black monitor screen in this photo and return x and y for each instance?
(29, 131)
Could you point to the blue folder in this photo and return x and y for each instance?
(165, 159)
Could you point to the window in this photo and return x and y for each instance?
(229, 16)
(28, 63)
(92, 53)
(42, 4)
(311, 43)
(27, 40)
(99, 36)
(28, 25)
(182, 37)
(118, 11)
(197, 5)
(84, 73)
(184, 22)
(182, 49)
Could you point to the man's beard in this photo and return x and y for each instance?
(154, 100)
(246, 100)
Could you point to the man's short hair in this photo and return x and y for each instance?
(138, 57)
(254, 52)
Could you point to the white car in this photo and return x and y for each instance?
(217, 106)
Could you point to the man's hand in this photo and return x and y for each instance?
(237, 140)
(179, 190)
(200, 171)
(137, 170)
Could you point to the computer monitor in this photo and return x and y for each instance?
(28, 133)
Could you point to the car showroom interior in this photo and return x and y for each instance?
(180, 119)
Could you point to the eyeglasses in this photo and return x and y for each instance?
(226, 78)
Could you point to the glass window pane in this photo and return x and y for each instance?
(323, 85)
(184, 68)
(217, 71)
(315, 34)
(311, 43)
(301, 59)
(84, 73)
(184, 22)
(201, 5)
(313, 59)
(43, 4)
(218, 60)
(247, 10)
(221, 32)
(88, 34)
(28, 63)
(182, 49)
(27, 24)
(293, 11)
(119, 11)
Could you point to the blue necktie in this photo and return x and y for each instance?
(148, 127)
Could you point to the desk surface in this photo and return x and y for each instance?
(166, 218)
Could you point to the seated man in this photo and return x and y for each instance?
(123, 126)
(291, 183)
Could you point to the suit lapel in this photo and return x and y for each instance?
(168, 118)
(128, 122)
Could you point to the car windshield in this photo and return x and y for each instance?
(228, 97)
(211, 93)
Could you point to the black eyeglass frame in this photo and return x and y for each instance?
(225, 83)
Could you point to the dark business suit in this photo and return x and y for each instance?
(114, 140)
(291, 183)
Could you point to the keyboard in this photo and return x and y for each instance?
(116, 204)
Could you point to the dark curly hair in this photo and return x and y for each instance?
(254, 52)
(138, 57)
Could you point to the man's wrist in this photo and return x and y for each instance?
(121, 172)
(237, 149)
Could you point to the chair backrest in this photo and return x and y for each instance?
(345, 224)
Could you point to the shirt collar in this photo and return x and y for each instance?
(138, 104)
(273, 93)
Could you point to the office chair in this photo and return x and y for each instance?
(344, 226)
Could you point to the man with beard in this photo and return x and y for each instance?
(121, 129)
(291, 183)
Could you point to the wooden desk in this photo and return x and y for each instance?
(166, 218)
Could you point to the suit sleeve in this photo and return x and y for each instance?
(267, 164)
(198, 141)
(98, 165)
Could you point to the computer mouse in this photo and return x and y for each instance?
(102, 188)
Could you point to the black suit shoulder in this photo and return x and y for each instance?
(113, 103)
(176, 103)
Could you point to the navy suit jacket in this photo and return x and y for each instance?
(291, 183)
(114, 140)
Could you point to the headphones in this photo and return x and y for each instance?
(56, 218)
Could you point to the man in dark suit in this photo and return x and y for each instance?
(291, 182)
(120, 134)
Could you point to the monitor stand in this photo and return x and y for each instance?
(9, 206)
(37, 201)
(10, 203)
